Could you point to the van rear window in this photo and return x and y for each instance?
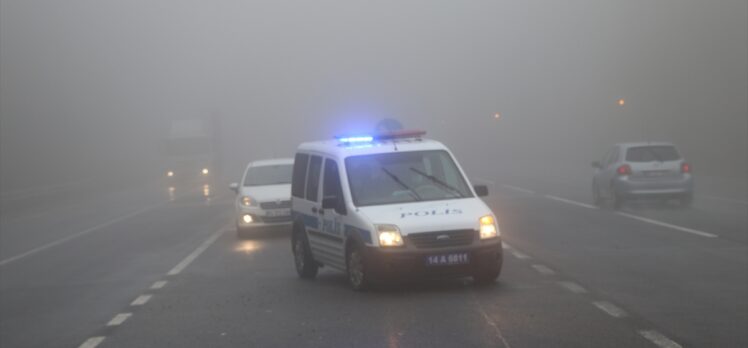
(660, 153)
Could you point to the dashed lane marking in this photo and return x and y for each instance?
(544, 270)
(158, 285)
(659, 339)
(610, 308)
(573, 287)
(518, 254)
(141, 300)
(92, 342)
(671, 226)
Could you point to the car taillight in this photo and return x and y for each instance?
(624, 169)
(685, 168)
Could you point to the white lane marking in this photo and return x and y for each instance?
(544, 270)
(92, 342)
(158, 285)
(569, 201)
(192, 256)
(141, 300)
(519, 189)
(573, 287)
(490, 322)
(722, 199)
(659, 339)
(520, 255)
(665, 224)
(610, 308)
(119, 319)
(79, 234)
(506, 246)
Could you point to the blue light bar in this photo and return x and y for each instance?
(356, 139)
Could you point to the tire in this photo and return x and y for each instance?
(686, 201)
(358, 276)
(490, 273)
(596, 198)
(615, 199)
(306, 266)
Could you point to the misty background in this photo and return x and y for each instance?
(88, 88)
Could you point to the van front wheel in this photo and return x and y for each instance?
(357, 275)
(306, 267)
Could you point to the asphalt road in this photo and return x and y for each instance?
(142, 267)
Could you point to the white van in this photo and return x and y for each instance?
(263, 197)
(390, 205)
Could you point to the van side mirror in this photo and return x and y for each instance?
(234, 187)
(329, 202)
(596, 164)
(481, 190)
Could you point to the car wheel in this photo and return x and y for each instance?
(357, 274)
(490, 273)
(616, 201)
(686, 201)
(305, 264)
(596, 198)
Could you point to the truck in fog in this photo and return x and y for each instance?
(189, 152)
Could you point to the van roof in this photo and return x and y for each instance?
(339, 150)
(645, 143)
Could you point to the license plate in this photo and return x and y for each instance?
(278, 212)
(447, 259)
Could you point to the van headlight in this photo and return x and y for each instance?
(247, 201)
(170, 173)
(205, 171)
(488, 228)
(389, 236)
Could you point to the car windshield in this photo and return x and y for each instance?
(402, 177)
(269, 175)
(660, 153)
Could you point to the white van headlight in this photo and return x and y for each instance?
(247, 201)
(389, 236)
(488, 228)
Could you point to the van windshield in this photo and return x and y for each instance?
(403, 177)
(269, 175)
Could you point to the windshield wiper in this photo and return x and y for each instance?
(439, 182)
(397, 180)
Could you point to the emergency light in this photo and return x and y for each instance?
(398, 134)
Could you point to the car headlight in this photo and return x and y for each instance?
(170, 173)
(488, 228)
(205, 171)
(247, 201)
(389, 236)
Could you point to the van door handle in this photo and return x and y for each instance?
(314, 210)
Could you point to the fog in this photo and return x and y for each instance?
(88, 88)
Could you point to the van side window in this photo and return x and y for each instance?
(331, 185)
(299, 175)
(312, 182)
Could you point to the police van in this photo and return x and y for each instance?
(389, 205)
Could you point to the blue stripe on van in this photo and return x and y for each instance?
(364, 234)
(310, 221)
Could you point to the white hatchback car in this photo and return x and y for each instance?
(263, 199)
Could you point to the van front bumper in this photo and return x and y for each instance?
(394, 263)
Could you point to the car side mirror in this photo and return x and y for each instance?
(481, 190)
(329, 202)
(596, 164)
(234, 187)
